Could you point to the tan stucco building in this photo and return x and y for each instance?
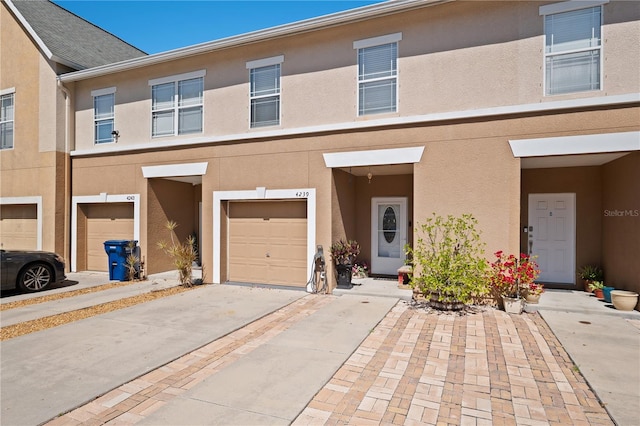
(362, 124)
(36, 128)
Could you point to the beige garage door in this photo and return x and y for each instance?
(19, 226)
(109, 221)
(268, 242)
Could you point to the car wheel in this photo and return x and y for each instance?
(36, 277)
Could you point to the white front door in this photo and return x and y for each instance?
(388, 234)
(551, 236)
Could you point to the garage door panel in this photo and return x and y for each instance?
(268, 242)
(112, 221)
(19, 226)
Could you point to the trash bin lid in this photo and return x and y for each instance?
(119, 242)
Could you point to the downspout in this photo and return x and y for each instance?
(67, 173)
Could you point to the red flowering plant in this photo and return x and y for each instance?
(344, 252)
(513, 276)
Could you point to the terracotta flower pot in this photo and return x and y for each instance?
(598, 292)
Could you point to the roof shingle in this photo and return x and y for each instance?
(73, 39)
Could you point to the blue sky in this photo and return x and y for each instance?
(156, 26)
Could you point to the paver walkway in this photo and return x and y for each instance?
(415, 367)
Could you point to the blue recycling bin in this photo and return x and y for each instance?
(118, 251)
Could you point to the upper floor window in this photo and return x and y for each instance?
(103, 115)
(573, 47)
(265, 91)
(378, 74)
(6, 119)
(176, 104)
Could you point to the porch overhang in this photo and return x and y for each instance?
(375, 157)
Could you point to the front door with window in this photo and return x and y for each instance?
(551, 236)
(388, 234)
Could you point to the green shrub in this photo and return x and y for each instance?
(448, 259)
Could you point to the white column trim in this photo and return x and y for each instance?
(99, 199)
(261, 193)
(37, 200)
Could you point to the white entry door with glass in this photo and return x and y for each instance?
(388, 234)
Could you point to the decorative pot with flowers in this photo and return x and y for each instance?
(533, 293)
(512, 278)
(344, 253)
(360, 270)
(589, 274)
(597, 288)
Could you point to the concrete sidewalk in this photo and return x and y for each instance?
(604, 343)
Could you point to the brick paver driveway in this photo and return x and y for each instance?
(416, 367)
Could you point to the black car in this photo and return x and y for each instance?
(30, 270)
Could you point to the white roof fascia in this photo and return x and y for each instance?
(30, 30)
(326, 21)
(579, 144)
(367, 124)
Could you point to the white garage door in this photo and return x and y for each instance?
(268, 242)
(19, 226)
(109, 221)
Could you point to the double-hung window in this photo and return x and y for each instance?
(103, 115)
(7, 99)
(573, 47)
(177, 104)
(378, 74)
(264, 76)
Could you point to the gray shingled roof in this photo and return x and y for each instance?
(71, 38)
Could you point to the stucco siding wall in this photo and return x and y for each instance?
(448, 61)
(621, 222)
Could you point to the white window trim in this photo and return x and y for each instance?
(95, 94)
(175, 79)
(99, 199)
(101, 92)
(267, 63)
(261, 193)
(259, 63)
(371, 42)
(377, 41)
(37, 200)
(570, 6)
(10, 91)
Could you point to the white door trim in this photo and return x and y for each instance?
(402, 226)
(571, 198)
(37, 200)
(98, 199)
(261, 193)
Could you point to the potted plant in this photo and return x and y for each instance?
(589, 274)
(596, 287)
(344, 253)
(448, 265)
(533, 293)
(512, 278)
